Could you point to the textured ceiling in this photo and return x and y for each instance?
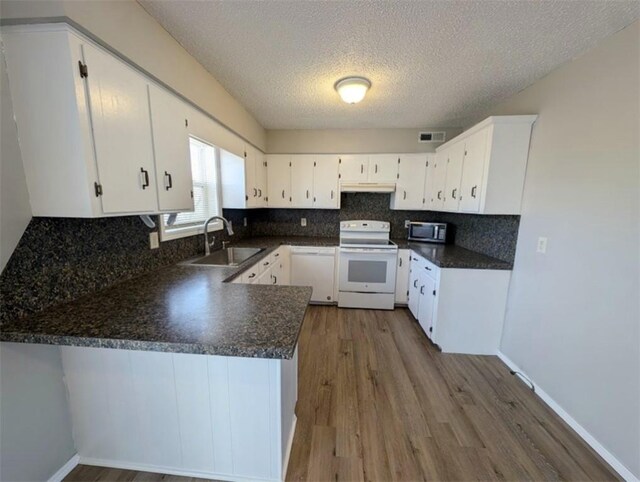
(432, 63)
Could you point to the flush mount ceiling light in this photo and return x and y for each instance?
(352, 89)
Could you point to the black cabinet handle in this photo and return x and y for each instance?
(145, 184)
(427, 268)
(376, 169)
(307, 194)
(283, 194)
(453, 193)
(422, 290)
(439, 194)
(415, 283)
(252, 275)
(400, 261)
(473, 191)
(405, 195)
(259, 192)
(170, 179)
(361, 168)
(332, 194)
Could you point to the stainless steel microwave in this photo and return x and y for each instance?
(428, 232)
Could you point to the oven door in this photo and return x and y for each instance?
(367, 270)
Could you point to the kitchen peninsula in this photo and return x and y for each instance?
(179, 372)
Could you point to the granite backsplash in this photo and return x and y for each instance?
(495, 236)
(61, 259)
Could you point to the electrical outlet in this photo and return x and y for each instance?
(303, 222)
(406, 223)
(542, 245)
(245, 222)
(154, 243)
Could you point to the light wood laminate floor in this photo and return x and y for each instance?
(378, 402)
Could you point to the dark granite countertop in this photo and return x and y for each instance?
(193, 309)
(184, 309)
(452, 256)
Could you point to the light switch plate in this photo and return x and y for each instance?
(303, 221)
(154, 243)
(406, 223)
(542, 245)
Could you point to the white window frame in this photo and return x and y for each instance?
(167, 233)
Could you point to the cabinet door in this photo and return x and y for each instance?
(455, 163)
(410, 185)
(283, 257)
(383, 167)
(434, 185)
(261, 179)
(119, 105)
(427, 301)
(302, 181)
(251, 187)
(171, 151)
(473, 171)
(279, 181)
(402, 276)
(354, 168)
(414, 286)
(326, 190)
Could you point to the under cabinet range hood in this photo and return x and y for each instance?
(347, 186)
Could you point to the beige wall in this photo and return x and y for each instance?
(127, 28)
(573, 318)
(346, 141)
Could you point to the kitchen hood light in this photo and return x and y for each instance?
(352, 89)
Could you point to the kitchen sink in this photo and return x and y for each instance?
(227, 257)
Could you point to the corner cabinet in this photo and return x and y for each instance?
(482, 170)
(243, 179)
(93, 131)
(460, 310)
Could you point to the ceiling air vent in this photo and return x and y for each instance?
(431, 137)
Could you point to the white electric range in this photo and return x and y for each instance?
(367, 265)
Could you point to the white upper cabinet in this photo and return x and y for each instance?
(171, 151)
(260, 179)
(302, 170)
(120, 118)
(279, 181)
(326, 190)
(487, 167)
(383, 168)
(354, 168)
(410, 183)
(455, 161)
(243, 179)
(471, 185)
(435, 182)
(96, 135)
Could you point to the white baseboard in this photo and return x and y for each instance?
(292, 432)
(579, 429)
(157, 469)
(63, 471)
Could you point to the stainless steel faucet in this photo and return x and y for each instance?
(208, 245)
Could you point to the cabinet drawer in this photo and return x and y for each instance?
(250, 275)
(424, 266)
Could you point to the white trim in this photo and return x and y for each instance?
(615, 464)
(158, 469)
(292, 432)
(499, 119)
(65, 470)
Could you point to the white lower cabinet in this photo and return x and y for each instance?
(311, 266)
(460, 310)
(402, 276)
(297, 266)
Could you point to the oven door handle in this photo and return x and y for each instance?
(368, 250)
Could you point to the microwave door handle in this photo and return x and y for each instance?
(436, 232)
